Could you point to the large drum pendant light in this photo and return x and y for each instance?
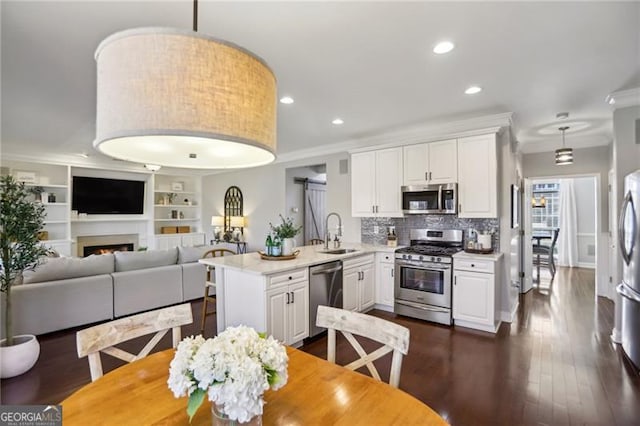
(181, 99)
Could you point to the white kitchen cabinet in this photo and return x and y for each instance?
(476, 284)
(288, 312)
(165, 242)
(477, 177)
(385, 270)
(276, 304)
(431, 163)
(376, 179)
(358, 283)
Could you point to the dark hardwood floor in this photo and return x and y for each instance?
(555, 365)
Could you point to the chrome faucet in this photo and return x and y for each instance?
(326, 228)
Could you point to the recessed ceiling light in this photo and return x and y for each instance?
(443, 47)
(286, 100)
(338, 121)
(472, 90)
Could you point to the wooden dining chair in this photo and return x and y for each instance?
(544, 255)
(315, 241)
(103, 337)
(210, 283)
(393, 337)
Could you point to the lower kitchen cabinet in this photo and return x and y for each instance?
(288, 312)
(476, 284)
(276, 304)
(385, 270)
(358, 283)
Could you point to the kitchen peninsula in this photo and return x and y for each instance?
(273, 296)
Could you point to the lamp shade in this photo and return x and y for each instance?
(237, 222)
(181, 99)
(217, 221)
(564, 156)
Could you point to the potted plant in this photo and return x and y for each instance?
(286, 231)
(20, 222)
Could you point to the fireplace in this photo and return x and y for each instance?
(96, 244)
(106, 248)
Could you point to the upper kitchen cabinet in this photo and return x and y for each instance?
(477, 176)
(376, 179)
(431, 163)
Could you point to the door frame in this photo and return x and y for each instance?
(602, 270)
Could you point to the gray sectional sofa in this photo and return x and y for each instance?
(68, 292)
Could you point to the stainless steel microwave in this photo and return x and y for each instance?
(430, 199)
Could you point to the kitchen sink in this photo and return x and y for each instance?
(339, 251)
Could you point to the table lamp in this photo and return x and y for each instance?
(237, 223)
(217, 222)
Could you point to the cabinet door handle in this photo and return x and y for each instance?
(391, 272)
(373, 209)
(459, 207)
(473, 265)
(455, 280)
(429, 175)
(292, 298)
(426, 175)
(377, 208)
(287, 298)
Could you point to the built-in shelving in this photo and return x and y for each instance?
(175, 205)
(193, 219)
(31, 185)
(52, 222)
(115, 219)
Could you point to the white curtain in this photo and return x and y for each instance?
(568, 223)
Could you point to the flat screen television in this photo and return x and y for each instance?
(107, 196)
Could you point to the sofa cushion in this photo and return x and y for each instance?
(134, 260)
(61, 268)
(192, 254)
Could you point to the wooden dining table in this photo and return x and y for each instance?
(317, 393)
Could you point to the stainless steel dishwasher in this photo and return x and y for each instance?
(325, 288)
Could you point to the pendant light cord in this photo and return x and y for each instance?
(195, 15)
(563, 129)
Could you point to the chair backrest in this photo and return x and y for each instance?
(102, 338)
(555, 239)
(219, 252)
(394, 338)
(316, 241)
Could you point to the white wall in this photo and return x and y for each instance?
(264, 192)
(510, 166)
(586, 214)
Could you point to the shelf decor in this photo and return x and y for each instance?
(233, 370)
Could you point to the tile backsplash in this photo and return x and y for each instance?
(404, 224)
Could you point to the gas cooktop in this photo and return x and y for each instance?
(429, 250)
(433, 242)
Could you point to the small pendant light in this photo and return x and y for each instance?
(564, 155)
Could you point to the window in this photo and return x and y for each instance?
(548, 217)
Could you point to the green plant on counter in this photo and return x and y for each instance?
(287, 229)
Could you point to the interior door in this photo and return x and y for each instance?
(527, 258)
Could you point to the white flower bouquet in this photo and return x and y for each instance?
(233, 369)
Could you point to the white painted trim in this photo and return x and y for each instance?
(587, 265)
(381, 307)
(510, 317)
(584, 234)
(476, 326)
(624, 98)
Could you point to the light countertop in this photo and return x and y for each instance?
(309, 255)
(464, 255)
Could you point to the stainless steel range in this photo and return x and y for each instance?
(423, 274)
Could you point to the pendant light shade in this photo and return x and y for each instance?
(564, 155)
(180, 99)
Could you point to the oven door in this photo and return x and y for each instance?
(423, 283)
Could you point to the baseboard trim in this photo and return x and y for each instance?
(587, 265)
(385, 308)
(510, 317)
(616, 336)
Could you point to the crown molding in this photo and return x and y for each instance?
(624, 98)
(411, 135)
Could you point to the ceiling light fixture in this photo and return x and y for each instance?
(564, 155)
(152, 167)
(287, 100)
(178, 98)
(443, 47)
(337, 121)
(472, 90)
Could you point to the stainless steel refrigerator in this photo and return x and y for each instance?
(629, 288)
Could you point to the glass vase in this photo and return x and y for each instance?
(218, 418)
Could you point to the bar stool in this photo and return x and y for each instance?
(210, 284)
